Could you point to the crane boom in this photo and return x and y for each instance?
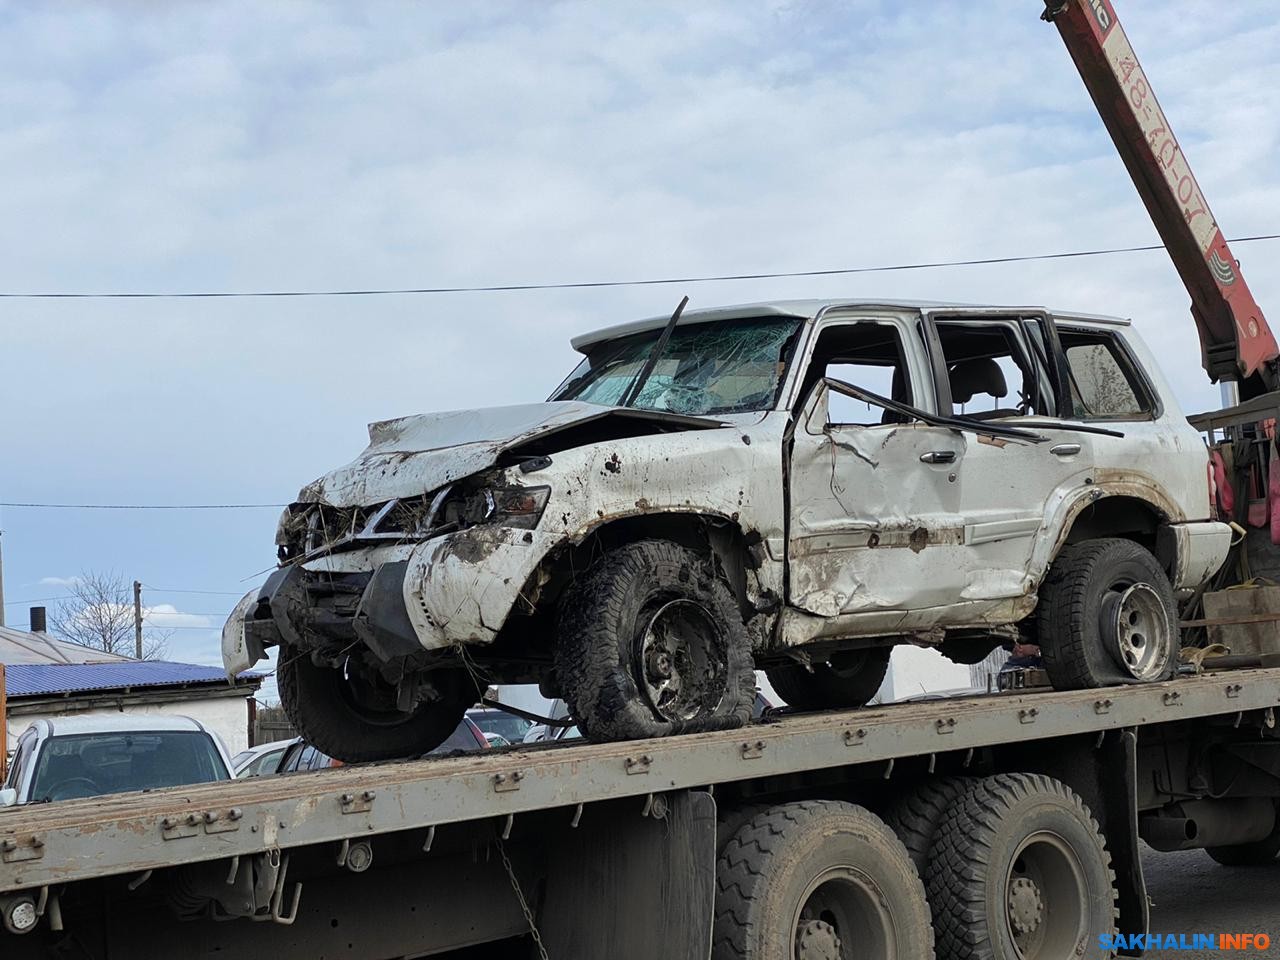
(1236, 342)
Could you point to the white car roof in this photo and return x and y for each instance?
(123, 723)
(806, 310)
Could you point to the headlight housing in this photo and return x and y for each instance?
(512, 506)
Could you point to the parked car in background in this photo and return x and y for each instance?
(260, 760)
(76, 757)
(507, 725)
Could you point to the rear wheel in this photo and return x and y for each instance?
(1106, 616)
(1256, 854)
(847, 679)
(818, 880)
(1019, 871)
(917, 813)
(652, 643)
(350, 712)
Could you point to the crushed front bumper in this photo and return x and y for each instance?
(456, 588)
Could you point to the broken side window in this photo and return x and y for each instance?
(867, 354)
(991, 374)
(720, 367)
(1105, 385)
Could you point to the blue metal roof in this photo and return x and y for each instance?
(31, 680)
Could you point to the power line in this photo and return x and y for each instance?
(596, 284)
(208, 593)
(146, 506)
(15, 603)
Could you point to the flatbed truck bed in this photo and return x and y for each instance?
(533, 818)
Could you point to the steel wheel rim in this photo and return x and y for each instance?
(680, 661)
(1045, 899)
(842, 915)
(1137, 626)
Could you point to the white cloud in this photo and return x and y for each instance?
(59, 581)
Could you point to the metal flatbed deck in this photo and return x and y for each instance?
(128, 833)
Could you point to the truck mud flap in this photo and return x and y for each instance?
(637, 887)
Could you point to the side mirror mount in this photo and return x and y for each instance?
(815, 412)
(8, 797)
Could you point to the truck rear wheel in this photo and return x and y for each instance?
(848, 679)
(1106, 616)
(351, 714)
(1256, 854)
(818, 880)
(1020, 871)
(917, 813)
(652, 643)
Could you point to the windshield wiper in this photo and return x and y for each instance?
(955, 423)
(632, 392)
(1049, 424)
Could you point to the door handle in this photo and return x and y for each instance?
(1065, 449)
(938, 456)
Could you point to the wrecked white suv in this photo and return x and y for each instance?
(796, 486)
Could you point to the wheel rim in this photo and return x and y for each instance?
(1136, 625)
(368, 696)
(680, 661)
(842, 915)
(1045, 899)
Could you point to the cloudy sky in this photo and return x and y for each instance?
(292, 145)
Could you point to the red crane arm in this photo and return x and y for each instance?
(1236, 342)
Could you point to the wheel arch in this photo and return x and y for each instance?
(1134, 510)
(717, 536)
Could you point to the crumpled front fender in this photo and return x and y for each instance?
(460, 588)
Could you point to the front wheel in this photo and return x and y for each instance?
(651, 643)
(1107, 616)
(351, 714)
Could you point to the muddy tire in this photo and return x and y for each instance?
(1256, 854)
(818, 879)
(916, 814)
(848, 679)
(337, 716)
(1020, 871)
(651, 643)
(1107, 616)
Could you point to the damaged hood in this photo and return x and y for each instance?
(414, 455)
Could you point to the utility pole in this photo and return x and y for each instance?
(137, 619)
(1, 578)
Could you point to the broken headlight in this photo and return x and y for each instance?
(509, 506)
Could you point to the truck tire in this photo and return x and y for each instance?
(848, 679)
(1019, 871)
(818, 879)
(337, 715)
(1107, 616)
(651, 643)
(916, 814)
(1256, 854)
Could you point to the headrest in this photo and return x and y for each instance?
(971, 377)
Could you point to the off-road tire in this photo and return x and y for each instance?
(915, 816)
(314, 701)
(764, 871)
(1076, 654)
(822, 688)
(1256, 854)
(975, 849)
(599, 626)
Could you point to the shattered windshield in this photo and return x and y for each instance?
(725, 366)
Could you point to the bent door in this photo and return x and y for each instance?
(875, 524)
